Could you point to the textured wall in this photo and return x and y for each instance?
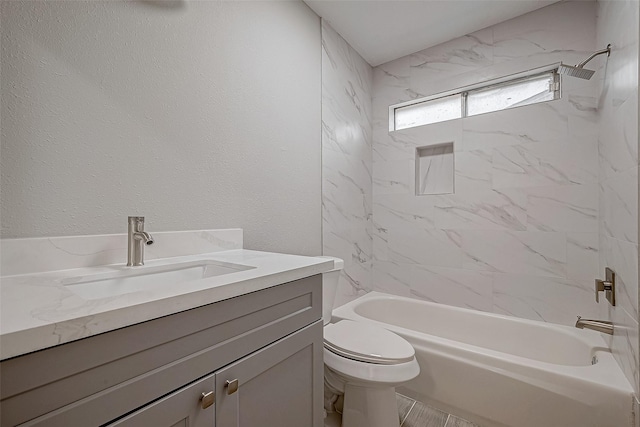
(346, 162)
(520, 234)
(198, 115)
(618, 168)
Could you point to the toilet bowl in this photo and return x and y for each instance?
(363, 365)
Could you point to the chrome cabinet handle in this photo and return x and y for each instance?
(231, 386)
(207, 399)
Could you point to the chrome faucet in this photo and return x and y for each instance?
(137, 239)
(603, 326)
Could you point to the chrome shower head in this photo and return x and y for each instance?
(579, 71)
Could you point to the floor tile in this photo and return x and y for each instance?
(422, 415)
(404, 406)
(459, 422)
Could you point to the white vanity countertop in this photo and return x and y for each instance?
(38, 311)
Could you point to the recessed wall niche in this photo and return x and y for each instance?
(434, 169)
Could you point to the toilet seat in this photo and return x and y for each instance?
(367, 343)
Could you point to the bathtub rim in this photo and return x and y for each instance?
(599, 374)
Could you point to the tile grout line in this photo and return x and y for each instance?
(408, 412)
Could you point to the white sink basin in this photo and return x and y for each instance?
(133, 279)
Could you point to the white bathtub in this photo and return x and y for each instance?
(501, 371)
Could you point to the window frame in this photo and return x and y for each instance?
(551, 70)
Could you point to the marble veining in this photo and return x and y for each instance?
(59, 253)
(523, 222)
(482, 210)
(618, 23)
(347, 188)
(38, 311)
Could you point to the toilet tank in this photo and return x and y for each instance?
(329, 287)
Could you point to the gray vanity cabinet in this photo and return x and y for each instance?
(260, 353)
(273, 385)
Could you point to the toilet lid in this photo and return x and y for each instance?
(366, 343)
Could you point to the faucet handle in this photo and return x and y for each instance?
(599, 288)
(602, 286)
(608, 286)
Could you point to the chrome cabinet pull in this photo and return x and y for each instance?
(207, 399)
(232, 386)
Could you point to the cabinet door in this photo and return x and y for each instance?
(182, 408)
(278, 386)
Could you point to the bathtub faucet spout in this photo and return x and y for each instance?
(603, 326)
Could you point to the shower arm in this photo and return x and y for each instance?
(607, 50)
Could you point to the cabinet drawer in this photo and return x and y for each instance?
(152, 358)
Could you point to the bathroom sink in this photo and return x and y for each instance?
(127, 280)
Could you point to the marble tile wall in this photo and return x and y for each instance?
(346, 163)
(520, 234)
(617, 96)
(40, 254)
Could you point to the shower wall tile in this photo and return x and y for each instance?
(404, 211)
(582, 257)
(571, 208)
(526, 253)
(392, 278)
(483, 210)
(622, 258)
(473, 171)
(618, 135)
(515, 127)
(583, 132)
(435, 247)
(402, 144)
(345, 176)
(548, 29)
(347, 163)
(452, 286)
(396, 177)
(412, 76)
(617, 92)
(520, 233)
(542, 164)
(554, 300)
(619, 205)
(618, 25)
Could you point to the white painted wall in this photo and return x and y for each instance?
(194, 114)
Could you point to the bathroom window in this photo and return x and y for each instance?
(535, 86)
(433, 111)
(512, 94)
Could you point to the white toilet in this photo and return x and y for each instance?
(364, 363)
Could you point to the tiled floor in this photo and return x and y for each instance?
(416, 414)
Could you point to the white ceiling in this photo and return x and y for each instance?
(383, 30)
